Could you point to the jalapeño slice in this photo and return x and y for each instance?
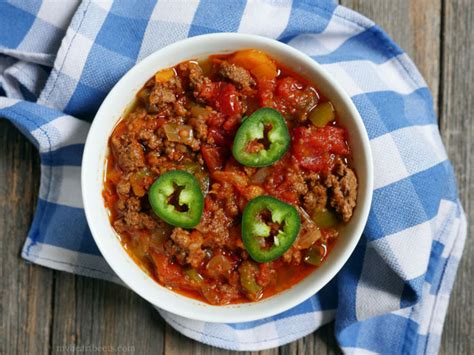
(261, 139)
(269, 228)
(177, 199)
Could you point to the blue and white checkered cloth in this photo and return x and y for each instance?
(58, 60)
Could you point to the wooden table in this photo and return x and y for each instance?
(43, 310)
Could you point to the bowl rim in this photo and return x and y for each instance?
(89, 176)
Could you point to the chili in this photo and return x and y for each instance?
(190, 160)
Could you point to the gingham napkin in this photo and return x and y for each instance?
(392, 295)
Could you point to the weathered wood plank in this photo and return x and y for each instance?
(321, 341)
(414, 25)
(176, 344)
(457, 112)
(26, 294)
(104, 317)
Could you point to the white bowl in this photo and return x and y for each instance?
(96, 149)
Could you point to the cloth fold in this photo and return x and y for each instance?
(391, 296)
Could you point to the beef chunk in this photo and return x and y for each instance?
(130, 156)
(343, 188)
(123, 187)
(215, 226)
(292, 256)
(237, 75)
(194, 73)
(219, 293)
(161, 95)
(139, 220)
(190, 243)
(316, 198)
(165, 97)
(199, 126)
(150, 139)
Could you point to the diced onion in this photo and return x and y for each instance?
(309, 232)
(261, 175)
(178, 133)
(197, 111)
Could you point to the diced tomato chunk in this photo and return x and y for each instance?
(214, 157)
(314, 147)
(222, 96)
(265, 92)
(237, 179)
(219, 136)
(209, 90)
(267, 274)
(167, 272)
(232, 123)
(227, 100)
(289, 88)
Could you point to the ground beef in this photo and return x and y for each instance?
(267, 275)
(249, 170)
(316, 198)
(131, 157)
(164, 93)
(237, 75)
(139, 220)
(161, 95)
(252, 191)
(225, 193)
(215, 228)
(196, 77)
(123, 186)
(133, 204)
(175, 151)
(343, 190)
(190, 243)
(298, 183)
(136, 116)
(218, 293)
(174, 250)
(120, 226)
(292, 256)
(150, 139)
(179, 107)
(199, 126)
(159, 164)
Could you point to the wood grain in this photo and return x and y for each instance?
(457, 118)
(26, 290)
(42, 310)
(415, 27)
(103, 315)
